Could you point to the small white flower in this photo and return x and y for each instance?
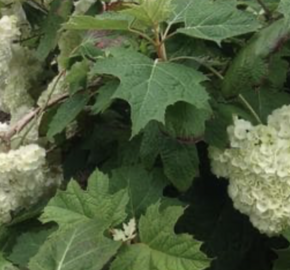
(128, 233)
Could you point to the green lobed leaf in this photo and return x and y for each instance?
(250, 66)
(104, 97)
(216, 20)
(179, 10)
(75, 205)
(67, 43)
(66, 113)
(6, 265)
(264, 101)
(160, 248)
(77, 76)
(145, 188)
(59, 12)
(180, 161)
(151, 86)
(192, 123)
(106, 21)
(82, 247)
(150, 145)
(284, 8)
(278, 71)
(27, 246)
(150, 12)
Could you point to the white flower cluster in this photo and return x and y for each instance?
(127, 234)
(257, 165)
(23, 179)
(8, 33)
(15, 77)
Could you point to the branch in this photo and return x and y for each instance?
(24, 121)
(268, 12)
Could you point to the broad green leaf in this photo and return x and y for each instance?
(75, 205)
(160, 248)
(179, 10)
(278, 71)
(216, 20)
(106, 21)
(151, 86)
(27, 246)
(6, 265)
(82, 247)
(180, 161)
(67, 43)
(184, 121)
(284, 8)
(144, 188)
(151, 143)
(104, 96)
(150, 12)
(66, 113)
(250, 67)
(264, 101)
(58, 14)
(77, 76)
(128, 152)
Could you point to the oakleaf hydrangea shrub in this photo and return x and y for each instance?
(144, 135)
(24, 178)
(258, 167)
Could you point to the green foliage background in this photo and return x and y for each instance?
(150, 84)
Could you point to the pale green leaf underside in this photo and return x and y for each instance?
(150, 87)
(76, 205)
(106, 21)
(160, 247)
(284, 8)
(216, 21)
(82, 247)
(150, 12)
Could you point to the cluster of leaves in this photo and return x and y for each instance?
(151, 83)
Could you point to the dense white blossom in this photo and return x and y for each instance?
(15, 78)
(8, 33)
(24, 178)
(257, 165)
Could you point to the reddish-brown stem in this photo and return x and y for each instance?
(159, 44)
